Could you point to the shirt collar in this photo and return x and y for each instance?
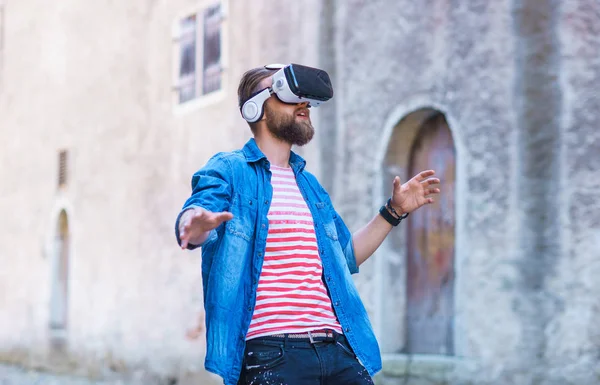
(253, 154)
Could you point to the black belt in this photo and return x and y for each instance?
(312, 336)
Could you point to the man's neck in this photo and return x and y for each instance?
(276, 150)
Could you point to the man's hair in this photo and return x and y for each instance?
(250, 81)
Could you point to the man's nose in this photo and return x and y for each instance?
(303, 104)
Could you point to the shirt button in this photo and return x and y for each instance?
(260, 253)
(266, 202)
(329, 278)
(250, 203)
(263, 226)
(347, 330)
(336, 304)
(249, 308)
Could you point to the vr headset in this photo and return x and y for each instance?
(293, 84)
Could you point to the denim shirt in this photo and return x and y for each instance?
(232, 256)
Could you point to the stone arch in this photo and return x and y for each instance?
(59, 281)
(401, 131)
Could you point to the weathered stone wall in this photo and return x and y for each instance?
(456, 58)
(97, 79)
(572, 335)
(515, 81)
(538, 102)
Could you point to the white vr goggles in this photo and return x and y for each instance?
(292, 84)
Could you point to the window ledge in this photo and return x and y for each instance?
(200, 102)
(434, 367)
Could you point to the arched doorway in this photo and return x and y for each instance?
(430, 253)
(60, 275)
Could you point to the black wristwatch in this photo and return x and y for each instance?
(392, 219)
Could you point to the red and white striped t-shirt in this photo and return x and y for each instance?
(291, 296)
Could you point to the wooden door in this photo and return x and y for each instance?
(430, 265)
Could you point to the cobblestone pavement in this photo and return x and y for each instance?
(10, 375)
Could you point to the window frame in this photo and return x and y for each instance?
(200, 99)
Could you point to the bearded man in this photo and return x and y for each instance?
(277, 259)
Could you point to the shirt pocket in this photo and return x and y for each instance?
(243, 223)
(326, 213)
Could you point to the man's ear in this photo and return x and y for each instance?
(265, 111)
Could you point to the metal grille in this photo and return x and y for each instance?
(62, 168)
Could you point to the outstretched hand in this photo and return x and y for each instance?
(195, 223)
(415, 193)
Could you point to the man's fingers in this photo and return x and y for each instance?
(223, 216)
(432, 191)
(187, 227)
(424, 175)
(184, 241)
(186, 220)
(199, 218)
(199, 214)
(201, 221)
(431, 181)
(184, 227)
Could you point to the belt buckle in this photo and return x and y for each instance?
(310, 337)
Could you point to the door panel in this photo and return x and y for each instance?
(430, 265)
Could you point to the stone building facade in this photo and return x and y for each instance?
(517, 84)
(103, 119)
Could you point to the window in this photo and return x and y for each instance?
(198, 39)
(430, 254)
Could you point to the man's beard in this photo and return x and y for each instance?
(288, 128)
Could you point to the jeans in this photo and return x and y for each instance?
(276, 361)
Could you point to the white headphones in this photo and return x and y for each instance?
(292, 84)
(252, 110)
